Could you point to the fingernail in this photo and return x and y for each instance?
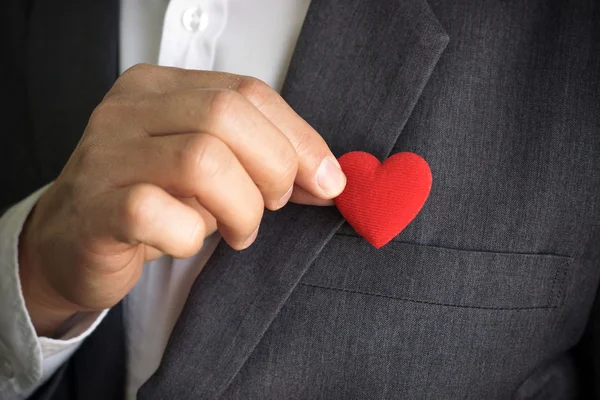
(330, 177)
(284, 199)
(250, 239)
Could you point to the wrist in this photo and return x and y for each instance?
(48, 313)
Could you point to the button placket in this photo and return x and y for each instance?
(194, 19)
(191, 31)
(6, 368)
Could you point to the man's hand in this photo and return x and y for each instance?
(169, 156)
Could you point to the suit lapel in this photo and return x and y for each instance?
(72, 63)
(357, 72)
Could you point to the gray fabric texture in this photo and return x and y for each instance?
(486, 295)
(488, 291)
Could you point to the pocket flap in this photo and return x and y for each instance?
(441, 276)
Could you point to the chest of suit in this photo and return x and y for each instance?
(492, 284)
(484, 294)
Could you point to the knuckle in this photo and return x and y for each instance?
(138, 75)
(202, 158)
(282, 178)
(257, 91)
(186, 101)
(288, 166)
(223, 105)
(110, 109)
(140, 70)
(309, 146)
(188, 245)
(140, 207)
(249, 218)
(304, 142)
(101, 114)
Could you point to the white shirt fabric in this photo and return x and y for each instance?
(246, 37)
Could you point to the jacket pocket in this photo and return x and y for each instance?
(442, 276)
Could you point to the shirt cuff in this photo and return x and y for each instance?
(26, 360)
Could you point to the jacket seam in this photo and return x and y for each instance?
(426, 302)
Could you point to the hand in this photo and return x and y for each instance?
(169, 156)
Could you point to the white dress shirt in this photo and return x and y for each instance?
(248, 37)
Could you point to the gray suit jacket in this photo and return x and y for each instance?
(489, 293)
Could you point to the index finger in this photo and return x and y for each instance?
(319, 173)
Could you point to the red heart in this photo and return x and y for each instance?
(380, 200)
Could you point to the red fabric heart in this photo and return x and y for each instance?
(380, 200)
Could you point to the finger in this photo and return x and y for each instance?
(147, 214)
(210, 223)
(319, 173)
(152, 253)
(199, 166)
(210, 226)
(301, 196)
(318, 170)
(150, 78)
(264, 152)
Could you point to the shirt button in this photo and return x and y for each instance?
(6, 369)
(194, 19)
